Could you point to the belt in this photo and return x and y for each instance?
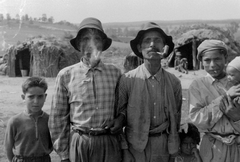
(31, 157)
(228, 139)
(91, 131)
(157, 134)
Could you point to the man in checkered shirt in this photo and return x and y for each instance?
(82, 121)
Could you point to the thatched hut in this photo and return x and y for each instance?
(41, 57)
(188, 42)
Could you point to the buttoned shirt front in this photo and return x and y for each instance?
(83, 97)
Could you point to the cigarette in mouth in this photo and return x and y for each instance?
(165, 51)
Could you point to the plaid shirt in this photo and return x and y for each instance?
(83, 97)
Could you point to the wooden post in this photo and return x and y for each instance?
(11, 62)
(194, 49)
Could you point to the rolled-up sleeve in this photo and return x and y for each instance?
(59, 119)
(201, 113)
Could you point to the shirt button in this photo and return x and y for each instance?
(154, 103)
(97, 108)
(153, 86)
(154, 117)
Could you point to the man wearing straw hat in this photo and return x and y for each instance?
(82, 120)
(211, 108)
(151, 99)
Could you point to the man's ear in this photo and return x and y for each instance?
(23, 96)
(139, 48)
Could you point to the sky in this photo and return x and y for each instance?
(107, 11)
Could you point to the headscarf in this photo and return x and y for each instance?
(210, 45)
(235, 63)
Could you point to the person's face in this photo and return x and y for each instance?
(34, 99)
(187, 145)
(152, 42)
(214, 63)
(91, 45)
(233, 75)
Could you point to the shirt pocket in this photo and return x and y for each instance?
(81, 91)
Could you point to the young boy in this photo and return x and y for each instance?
(188, 147)
(233, 74)
(27, 136)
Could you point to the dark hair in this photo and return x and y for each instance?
(192, 132)
(34, 82)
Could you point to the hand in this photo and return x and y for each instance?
(115, 125)
(234, 91)
(195, 151)
(229, 109)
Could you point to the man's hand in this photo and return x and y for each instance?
(234, 91)
(230, 109)
(115, 125)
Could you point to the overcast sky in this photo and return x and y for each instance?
(75, 11)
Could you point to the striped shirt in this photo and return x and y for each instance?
(83, 97)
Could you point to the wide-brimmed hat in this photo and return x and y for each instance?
(147, 27)
(92, 23)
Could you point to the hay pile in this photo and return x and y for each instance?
(45, 58)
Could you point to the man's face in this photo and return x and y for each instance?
(233, 75)
(214, 63)
(90, 44)
(152, 42)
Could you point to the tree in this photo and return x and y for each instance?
(44, 17)
(233, 28)
(8, 17)
(1, 17)
(17, 17)
(50, 19)
(26, 17)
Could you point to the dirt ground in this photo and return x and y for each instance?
(11, 102)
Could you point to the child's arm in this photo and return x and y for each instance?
(9, 141)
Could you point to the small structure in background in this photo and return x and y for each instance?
(188, 42)
(40, 57)
(131, 62)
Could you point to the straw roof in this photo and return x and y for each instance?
(201, 34)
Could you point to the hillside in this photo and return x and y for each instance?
(13, 32)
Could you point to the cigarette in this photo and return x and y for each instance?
(165, 50)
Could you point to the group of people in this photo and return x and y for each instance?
(99, 114)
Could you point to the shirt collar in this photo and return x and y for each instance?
(99, 66)
(213, 80)
(147, 74)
